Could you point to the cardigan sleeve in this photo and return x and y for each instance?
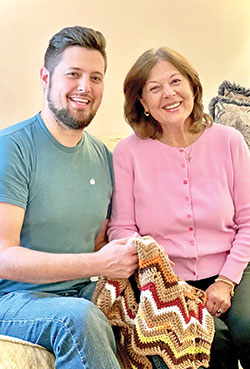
(123, 223)
(239, 255)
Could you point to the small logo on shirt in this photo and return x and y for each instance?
(92, 181)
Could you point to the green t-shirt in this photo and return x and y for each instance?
(65, 191)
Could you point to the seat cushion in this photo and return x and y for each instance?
(19, 354)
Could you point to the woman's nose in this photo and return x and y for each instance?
(168, 91)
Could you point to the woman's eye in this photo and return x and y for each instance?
(176, 81)
(154, 88)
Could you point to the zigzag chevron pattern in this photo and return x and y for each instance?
(157, 313)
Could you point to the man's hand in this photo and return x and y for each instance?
(117, 259)
(218, 298)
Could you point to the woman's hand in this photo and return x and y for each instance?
(218, 298)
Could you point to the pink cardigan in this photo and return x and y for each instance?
(199, 211)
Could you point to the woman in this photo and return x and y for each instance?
(186, 182)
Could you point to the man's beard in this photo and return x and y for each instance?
(65, 117)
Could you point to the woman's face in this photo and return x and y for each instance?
(167, 95)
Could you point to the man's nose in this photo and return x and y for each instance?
(84, 84)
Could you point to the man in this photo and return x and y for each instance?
(55, 190)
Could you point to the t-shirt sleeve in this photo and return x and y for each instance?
(14, 173)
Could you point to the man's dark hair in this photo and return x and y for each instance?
(73, 36)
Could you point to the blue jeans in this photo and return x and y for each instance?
(68, 325)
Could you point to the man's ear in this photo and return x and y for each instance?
(44, 77)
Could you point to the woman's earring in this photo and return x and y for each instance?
(146, 113)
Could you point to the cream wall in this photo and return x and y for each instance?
(213, 34)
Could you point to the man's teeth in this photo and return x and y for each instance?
(80, 101)
(172, 106)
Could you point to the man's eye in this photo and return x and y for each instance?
(96, 79)
(72, 74)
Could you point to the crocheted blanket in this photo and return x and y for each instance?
(155, 312)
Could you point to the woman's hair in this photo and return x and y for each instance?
(148, 127)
